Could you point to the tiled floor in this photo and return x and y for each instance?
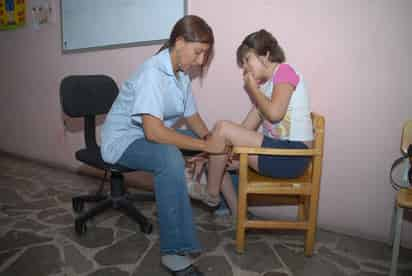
(37, 237)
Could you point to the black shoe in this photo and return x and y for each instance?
(191, 270)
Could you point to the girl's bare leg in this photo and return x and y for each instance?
(236, 135)
(229, 193)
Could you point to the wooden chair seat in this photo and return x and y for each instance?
(258, 184)
(404, 198)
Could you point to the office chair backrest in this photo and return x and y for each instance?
(87, 96)
(83, 95)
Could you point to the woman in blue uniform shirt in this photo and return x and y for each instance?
(138, 133)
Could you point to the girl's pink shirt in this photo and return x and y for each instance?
(286, 74)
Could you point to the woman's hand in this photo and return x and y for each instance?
(196, 166)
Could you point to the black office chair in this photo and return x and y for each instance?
(88, 96)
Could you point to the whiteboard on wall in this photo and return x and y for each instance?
(90, 24)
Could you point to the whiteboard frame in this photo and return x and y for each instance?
(113, 45)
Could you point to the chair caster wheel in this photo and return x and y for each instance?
(78, 205)
(80, 227)
(147, 228)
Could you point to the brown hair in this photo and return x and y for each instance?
(193, 29)
(261, 42)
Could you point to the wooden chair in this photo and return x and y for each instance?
(403, 200)
(302, 192)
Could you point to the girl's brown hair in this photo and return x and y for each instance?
(261, 42)
(193, 29)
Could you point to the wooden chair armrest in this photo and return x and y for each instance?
(271, 151)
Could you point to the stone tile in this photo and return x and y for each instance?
(10, 197)
(93, 238)
(65, 197)
(65, 219)
(326, 237)
(301, 265)
(150, 265)
(250, 237)
(15, 239)
(49, 192)
(76, 260)
(29, 224)
(295, 236)
(19, 181)
(46, 214)
(127, 223)
(4, 257)
(405, 256)
(199, 210)
(364, 249)
(12, 212)
(209, 240)
(213, 227)
(141, 205)
(102, 218)
(407, 272)
(7, 178)
(6, 221)
(126, 251)
(338, 258)
(369, 273)
(36, 205)
(275, 274)
(121, 234)
(109, 271)
(214, 266)
(210, 217)
(258, 257)
(25, 186)
(371, 250)
(384, 267)
(293, 245)
(40, 261)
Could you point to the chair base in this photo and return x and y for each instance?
(118, 199)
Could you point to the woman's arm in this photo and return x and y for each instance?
(155, 131)
(197, 125)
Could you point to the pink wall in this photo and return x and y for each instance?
(355, 56)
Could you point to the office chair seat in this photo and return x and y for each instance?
(92, 157)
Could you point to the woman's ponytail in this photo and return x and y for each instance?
(164, 46)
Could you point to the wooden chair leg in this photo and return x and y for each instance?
(242, 205)
(397, 241)
(310, 241)
(311, 231)
(303, 209)
(240, 229)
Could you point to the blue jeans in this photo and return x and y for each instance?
(166, 163)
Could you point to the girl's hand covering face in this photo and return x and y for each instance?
(250, 82)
